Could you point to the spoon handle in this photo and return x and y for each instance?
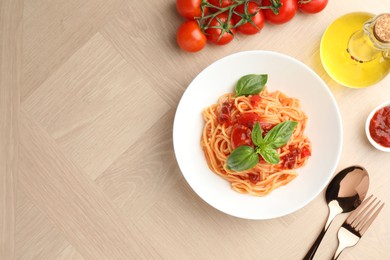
(334, 210)
(314, 247)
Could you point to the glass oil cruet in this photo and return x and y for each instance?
(355, 49)
(372, 41)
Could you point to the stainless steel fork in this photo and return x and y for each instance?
(357, 224)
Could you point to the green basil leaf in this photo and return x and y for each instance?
(269, 154)
(257, 135)
(242, 158)
(251, 84)
(280, 134)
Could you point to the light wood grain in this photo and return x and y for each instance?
(53, 30)
(99, 82)
(69, 253)
(36, 236)
(205, 233)
(136, 187)
(86, 216)
(87, 106)
(11, 14)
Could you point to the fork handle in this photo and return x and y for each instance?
(346, 239)
(340, 249)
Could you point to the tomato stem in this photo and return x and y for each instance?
(275, 6)
(205, 19)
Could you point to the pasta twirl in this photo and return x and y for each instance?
(228, 124)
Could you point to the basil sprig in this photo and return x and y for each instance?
(251, 84)
(245, 157)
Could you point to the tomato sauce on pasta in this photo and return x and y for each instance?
(229, 123)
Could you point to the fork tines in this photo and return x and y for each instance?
(364, 215)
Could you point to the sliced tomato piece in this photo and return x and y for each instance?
(305, 152)
(254, 178)
(224, 119)
(224, 116)
(248, 119)
(255, 100)
(241, 135)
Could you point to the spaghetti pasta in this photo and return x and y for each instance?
(228, 124)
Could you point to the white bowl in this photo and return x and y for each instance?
(375, 144)
(286, 74)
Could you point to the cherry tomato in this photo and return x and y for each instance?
(286, 12)
(312, 6)
(241, 135)
(189, 8)
(221, 3)
(253, 14)
(225, 28)
(189, 37)
(248, 119)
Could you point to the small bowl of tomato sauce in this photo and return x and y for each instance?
(378, 127)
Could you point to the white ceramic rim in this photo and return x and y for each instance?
(337, 148)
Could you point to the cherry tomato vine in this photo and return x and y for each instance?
(219, 20)
(205, 20)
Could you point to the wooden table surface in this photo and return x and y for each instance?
(87, 100)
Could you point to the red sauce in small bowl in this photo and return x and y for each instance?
(380, 126)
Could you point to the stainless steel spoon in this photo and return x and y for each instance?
(344, 193)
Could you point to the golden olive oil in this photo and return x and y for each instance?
(338, 53)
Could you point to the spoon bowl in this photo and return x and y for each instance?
(348, 188)
(344, 193)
